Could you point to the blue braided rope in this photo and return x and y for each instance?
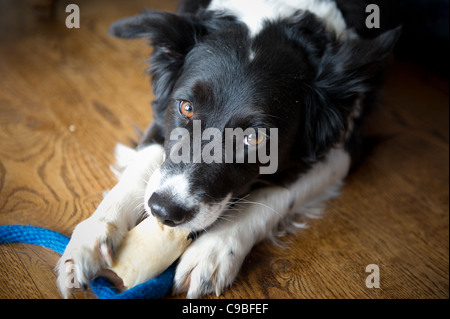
(35, 236)
(153, 289)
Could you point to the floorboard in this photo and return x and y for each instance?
(67, 96)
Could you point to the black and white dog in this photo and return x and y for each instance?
(294, 72)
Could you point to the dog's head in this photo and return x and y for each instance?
(223, 100)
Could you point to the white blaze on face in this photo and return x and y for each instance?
(178, 186)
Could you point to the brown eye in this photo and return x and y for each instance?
(186, 109)
(254, 139)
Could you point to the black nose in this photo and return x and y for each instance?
(166, 210)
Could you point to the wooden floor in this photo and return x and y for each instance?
(68, 95)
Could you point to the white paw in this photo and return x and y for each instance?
(90, 249)
(209, 265)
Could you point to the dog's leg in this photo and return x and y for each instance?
(213, 260)
(95, 240)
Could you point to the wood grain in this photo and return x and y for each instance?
(68, 96)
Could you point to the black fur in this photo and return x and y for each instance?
(302, 81)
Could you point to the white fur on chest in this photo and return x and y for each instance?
(254, 12)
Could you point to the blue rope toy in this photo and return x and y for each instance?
(153, 289)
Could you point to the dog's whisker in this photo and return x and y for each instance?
(261, 204)
(225, 219)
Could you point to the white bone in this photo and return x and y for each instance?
(147, 250)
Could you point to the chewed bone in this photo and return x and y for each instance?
(146, 251)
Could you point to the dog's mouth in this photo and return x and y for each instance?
(176, 202)
(215, 215)
(207, 214)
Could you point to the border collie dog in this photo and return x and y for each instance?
(293, 74)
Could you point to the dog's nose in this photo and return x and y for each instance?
(166, 211)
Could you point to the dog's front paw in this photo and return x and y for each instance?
(209, 265)
(90, 249)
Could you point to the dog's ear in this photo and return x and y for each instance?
(174, 34)
(346, 71)
(350, 67)
(172, 37)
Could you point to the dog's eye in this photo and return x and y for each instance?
(254, 139)
(186, 109)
